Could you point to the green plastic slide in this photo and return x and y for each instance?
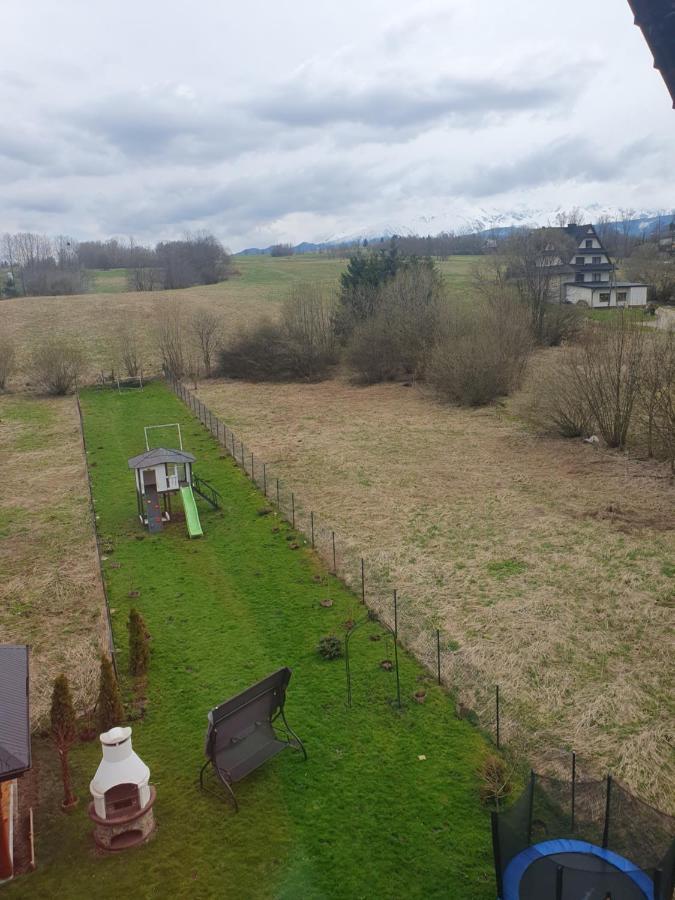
(194, 526)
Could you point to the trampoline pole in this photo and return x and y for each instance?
(574, 785)
(497, 854)
(605, 834)
(530, 808)
(559, 883)
(657, 884)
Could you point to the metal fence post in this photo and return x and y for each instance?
(398, 680)
(265, 478)
(293, 508)
(311, 519)
(278, 503)
(497, 705)
(252, 469)
(438, 653)
(334, 566)
(363, 581)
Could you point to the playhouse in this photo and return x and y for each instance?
(160, 475)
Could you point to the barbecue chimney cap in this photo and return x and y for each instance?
(115, 736)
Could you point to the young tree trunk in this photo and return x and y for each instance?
(69, 798)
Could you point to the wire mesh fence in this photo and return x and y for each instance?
(477, 699)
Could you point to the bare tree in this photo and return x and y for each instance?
(307, 328)
(128, 350)
(606, 368)
(172, 338)
(205, 328)
(656, 269)
(626, 217)
(530, 267)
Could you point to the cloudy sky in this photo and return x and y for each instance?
(275, 120)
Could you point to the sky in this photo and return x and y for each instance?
(273, 121)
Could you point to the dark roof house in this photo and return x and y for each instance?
(15, 751)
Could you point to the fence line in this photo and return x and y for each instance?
(482, 703)
(109, 629)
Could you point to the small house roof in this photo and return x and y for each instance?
(158, 456)
(15, 755)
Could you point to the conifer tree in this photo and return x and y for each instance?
(63, 730)
(109, 709)
(139, 651)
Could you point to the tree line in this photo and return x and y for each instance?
(36, 265)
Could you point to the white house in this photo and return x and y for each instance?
(589, 277)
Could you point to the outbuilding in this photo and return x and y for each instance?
(15, 747)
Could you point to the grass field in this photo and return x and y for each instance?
(94, 320)
(387, 804)
(550, 564)
(107, 281)
(50, 592)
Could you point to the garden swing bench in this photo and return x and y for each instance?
(243, 732)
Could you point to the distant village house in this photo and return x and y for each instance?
(588, 278)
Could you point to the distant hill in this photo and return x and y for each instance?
(645, 223)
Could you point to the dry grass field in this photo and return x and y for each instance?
(95, 320)
(551, 564)
(50, 593)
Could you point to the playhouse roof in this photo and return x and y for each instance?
(158, 456)
(14, 713)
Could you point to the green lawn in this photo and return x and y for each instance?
(364, 817)
(107, 281)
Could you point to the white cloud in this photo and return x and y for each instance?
(300, 120)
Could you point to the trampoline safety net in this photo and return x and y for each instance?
(566, 839)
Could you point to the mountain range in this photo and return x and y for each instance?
(486, 223)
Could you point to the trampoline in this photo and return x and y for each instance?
(582, 840)
(584, 869)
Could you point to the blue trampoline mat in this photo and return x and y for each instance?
(519, 865)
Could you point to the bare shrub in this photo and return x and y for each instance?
(398, 339)
(146, 278)
(373, 352)
(128, 350)
(557, 405)
(171, 335)
(605, 369)
(57, 366)
(482, 353)
(257, 353)
(299, 347)
(7, 361)
(205, 328)
(495, 780)
(560, 322)
(656, 406)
